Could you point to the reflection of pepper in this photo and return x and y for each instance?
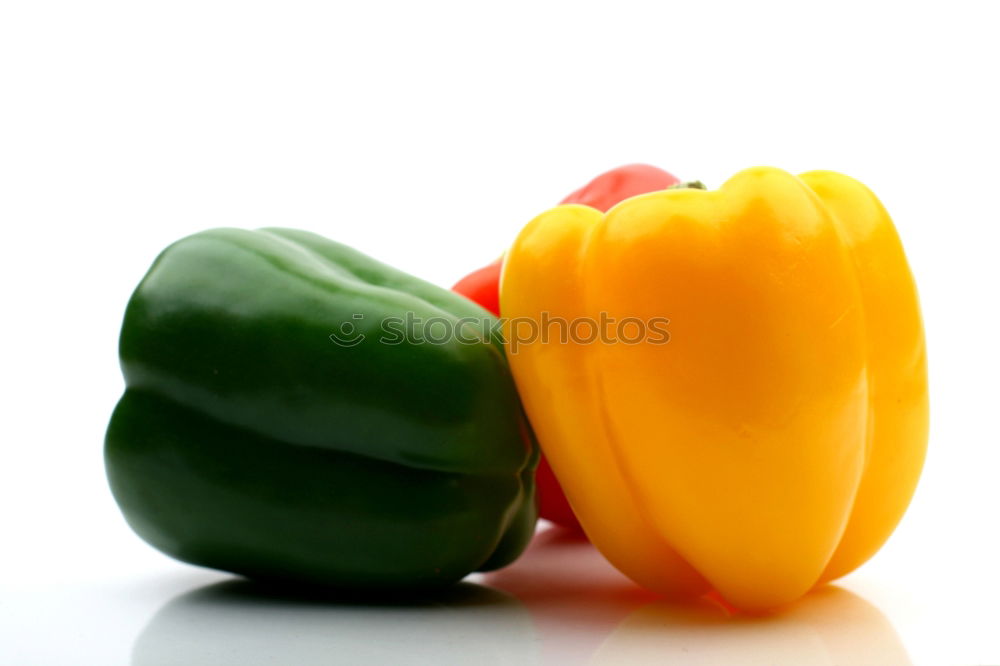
(482, 286)
(566, 583)
(237, 622)
(775, 441)
(248, 441)
(830, 626)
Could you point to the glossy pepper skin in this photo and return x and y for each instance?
(483, 287)
(616, 185)
(247, 440)
(774, 442)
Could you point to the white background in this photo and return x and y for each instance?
(426, 134)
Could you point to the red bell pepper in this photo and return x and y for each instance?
(481, 286)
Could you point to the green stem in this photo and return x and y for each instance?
(689, 185)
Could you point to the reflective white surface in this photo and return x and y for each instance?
(560, 604)
(232, 623)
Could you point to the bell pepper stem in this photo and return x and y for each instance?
(689, 185)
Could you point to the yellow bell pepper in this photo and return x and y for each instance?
(773, 441)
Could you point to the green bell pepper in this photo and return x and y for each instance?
(256, 436)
